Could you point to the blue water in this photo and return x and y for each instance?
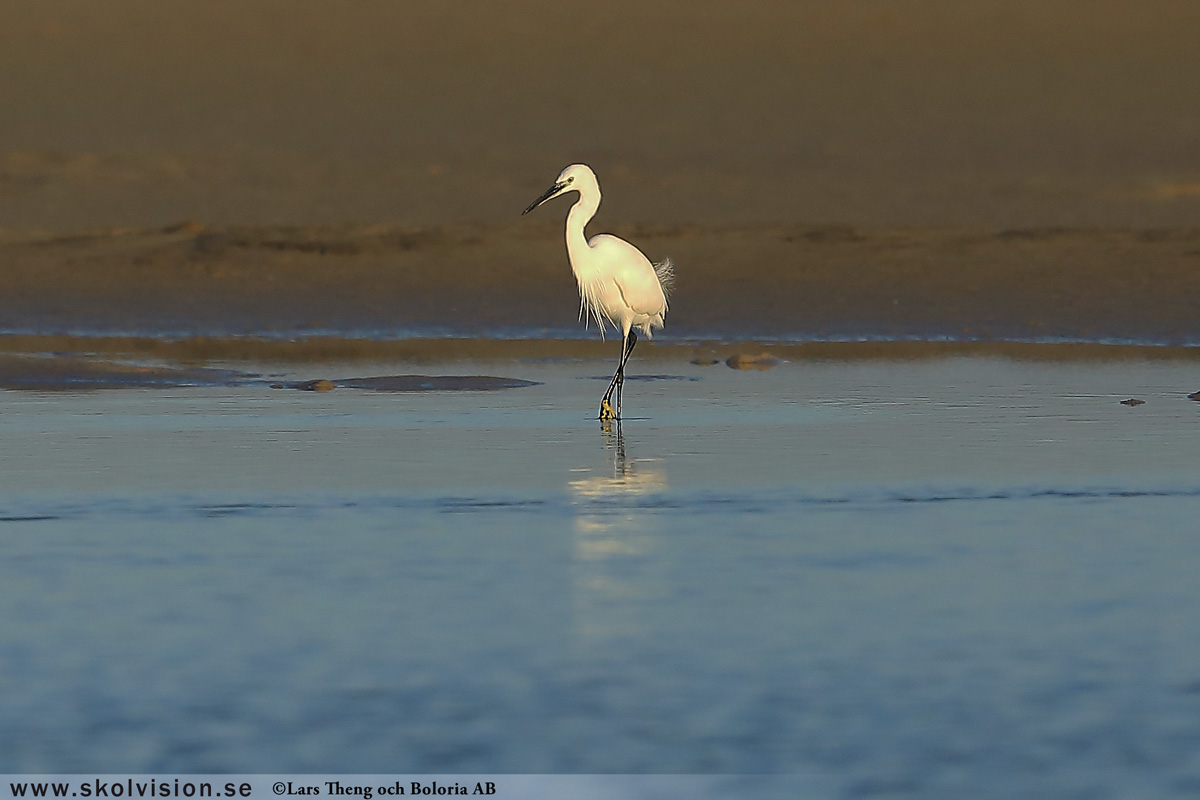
(903, 579)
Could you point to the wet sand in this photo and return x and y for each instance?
(64, 363)
(784, 282)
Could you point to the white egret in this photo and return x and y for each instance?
(617, 283)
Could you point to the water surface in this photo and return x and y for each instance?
(928, 579)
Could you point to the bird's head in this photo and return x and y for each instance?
(572, 179)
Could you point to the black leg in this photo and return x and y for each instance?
(606, 409)
(620, 391)
(625, 357)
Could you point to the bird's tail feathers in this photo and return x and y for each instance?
(665, 270)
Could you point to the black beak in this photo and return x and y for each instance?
(553, 190)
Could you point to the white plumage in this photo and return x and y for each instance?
(617, 283)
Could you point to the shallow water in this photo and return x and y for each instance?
(965, 577)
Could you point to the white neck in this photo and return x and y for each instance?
(580, 215)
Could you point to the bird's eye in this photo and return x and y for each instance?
(570, 179)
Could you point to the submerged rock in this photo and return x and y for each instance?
(319, 385)
(749, 361)
(1194, 396)
(1133, 401)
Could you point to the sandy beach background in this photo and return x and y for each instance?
(999, 114)
(982, 170)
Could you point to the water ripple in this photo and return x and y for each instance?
(661, 502)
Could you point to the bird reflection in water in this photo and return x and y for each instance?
(615, 533)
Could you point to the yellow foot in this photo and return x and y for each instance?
(606, 410)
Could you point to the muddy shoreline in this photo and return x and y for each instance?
(502, 281)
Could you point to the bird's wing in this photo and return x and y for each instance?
(633, 274)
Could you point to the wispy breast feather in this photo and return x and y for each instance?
(590, 307)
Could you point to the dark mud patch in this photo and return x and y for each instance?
(48, 373)
(414, 383)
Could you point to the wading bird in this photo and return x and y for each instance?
(617, 283)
